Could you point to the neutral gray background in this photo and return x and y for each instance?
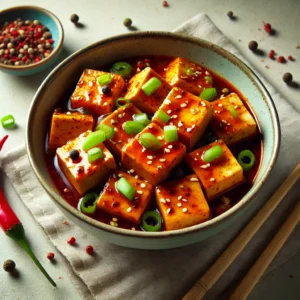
(103, 19)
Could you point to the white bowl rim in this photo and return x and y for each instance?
(50, 189)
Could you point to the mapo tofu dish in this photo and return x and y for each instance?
(153, 143)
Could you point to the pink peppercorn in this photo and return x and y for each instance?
(165, 4)
(268, 27)
(50, 255)
(290, 57)
(89, 249)
(71, 240)
(281, 59)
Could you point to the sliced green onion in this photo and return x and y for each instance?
(164, 117)
(132, 127)
(104, 79)
(122, 102)
(151, 221)
(93, 139)
(232, 111)
(246, 159)
(212, 153)
(141, 118)
(151, 86)
(189, 71)
(8, 121)
(209, 94)
(108, 131)
(88, 203)
(125, 188)
(170, 133)
(122, 68)
(94, 154)
(208, 78)
(149, 141)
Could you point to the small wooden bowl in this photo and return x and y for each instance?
(49, 20)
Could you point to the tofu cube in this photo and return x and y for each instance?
(176, 75)
(137, 96)
(188, 113)
(118, 205)
(218, 176)
(182, 203)
(88, 92)
(232, 122)
(154, 166)
(116, 120)
(83, 175)
(66, 126)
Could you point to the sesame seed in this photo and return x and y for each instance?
(169, 210)
(194, 179)
(68, 113)
(178, 96)
(112, 223)
(149, 162)
(200, 86)
(180, 124)
(189, 129)
(160, 137)
(195, 158)
(181, 186)
(121, 115)
(207, 73)
(168, 200)
(193, 126)
(162, 200)
(136, 176)
(235, 106)
(174, 117)
(220, 105)
(112, 121)
(162, 159)
(150, 157)
(170, 146)
(143, 185)
(158, 190)
(133, 228)
(179, 197)
(167, 150)
(184, 200)
(169, 111)
(115, 129)
(144, 149)
(212, 179)
(184, 209)
(203, 103)
(179, 204)
(91, 83)
(183, 105)
(159, 167)
(115, 219)
(150, 126)
(131, 171)
(114, 176)
(168, 102)
(204, 166)
(224, 121)
(129, 209)
(105, 103)
(120, 175)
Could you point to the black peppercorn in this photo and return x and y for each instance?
(127, 22)
(74, 154)
(74, 18)
(106, 90)
(230, 14)
(253, 45)
(9, 265)
(287, 77)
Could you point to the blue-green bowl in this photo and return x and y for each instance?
(46, 18)
(62, 80)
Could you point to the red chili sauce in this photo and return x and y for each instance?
(218, 205)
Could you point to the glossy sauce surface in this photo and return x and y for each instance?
(218, 205)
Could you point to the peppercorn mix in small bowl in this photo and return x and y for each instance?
(31, 39)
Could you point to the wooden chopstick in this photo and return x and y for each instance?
(201, 287)
(264, 260)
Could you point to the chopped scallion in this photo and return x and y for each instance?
(232, 111)
(8, 121)
(246, 159)
(122, 68)
(164, 117)
(108, 131)
(94, 154)
(93, 139)
(208, 78)
(122, 102)
(125, 188)
(170, 133)
(212, 153)
(151, 221)
(132, 127)
(151, 86)
(149, 141)
(209, 94)
(104, 79)
(88, 203)
(141, 118)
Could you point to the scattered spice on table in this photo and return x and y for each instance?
(65, 222)
(291, 58)
(71, 240)
(50, 255)
(165, 4)
(268, 28)
(2, 141)
(24, 42)
(281, 59)
(287, 77)
(74, 18)
(127, 22)
(253, 45)
(9, 266)
(89, 249)
(230, 14)
(271, 54)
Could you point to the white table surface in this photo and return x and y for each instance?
(103, 19)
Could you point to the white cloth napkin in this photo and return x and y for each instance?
(119, 273)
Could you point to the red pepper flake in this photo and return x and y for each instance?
(281, 59)
(71, 240)
(267, 27)
(2, 141)
(89, 249)
(272, 54)
(66, 222)
(290, 57)
(50, 255)
(165, 4)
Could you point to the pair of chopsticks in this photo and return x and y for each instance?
(201, 287)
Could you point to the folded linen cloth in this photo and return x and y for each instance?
(119, 273)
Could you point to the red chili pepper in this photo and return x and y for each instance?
(290, 57)
(13, 228)
(2, 141)
(268, 27)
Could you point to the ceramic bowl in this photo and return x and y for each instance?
(61, 82)
(46, 18)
